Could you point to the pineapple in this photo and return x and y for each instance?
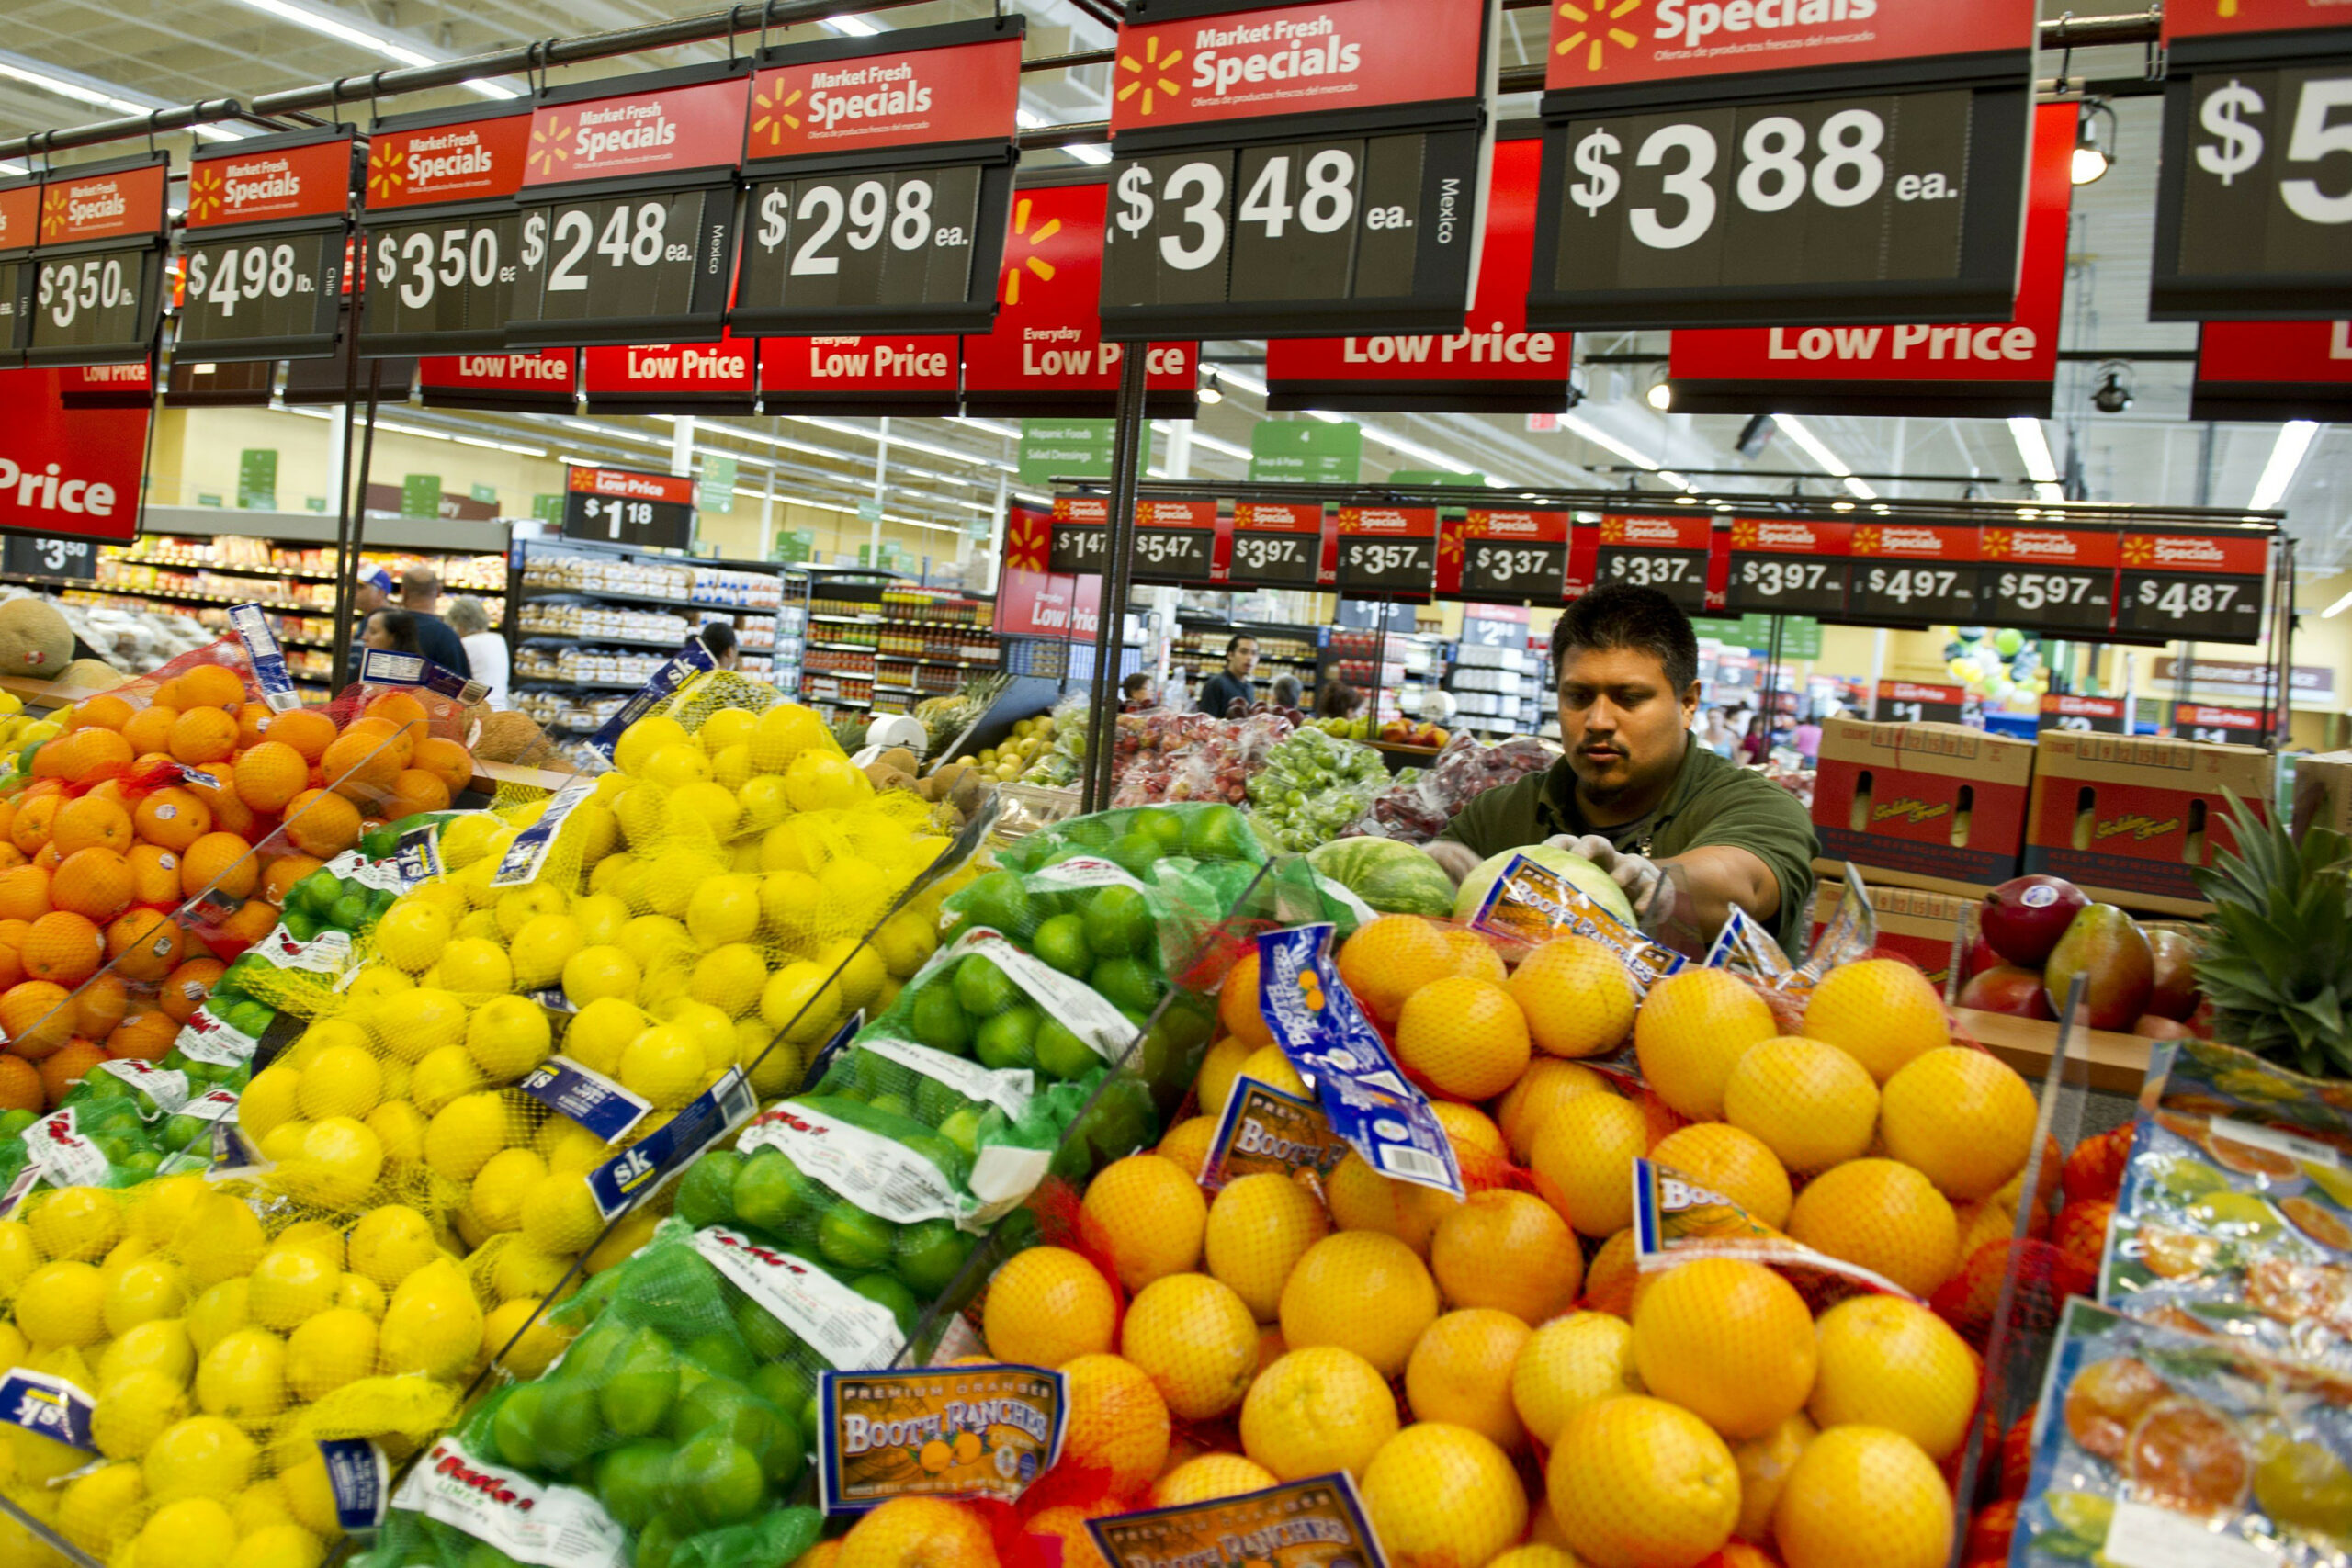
(2278, 964)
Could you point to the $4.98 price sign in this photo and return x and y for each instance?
(826, 251)
(250, 298)
(1388, 550)
(622, 268)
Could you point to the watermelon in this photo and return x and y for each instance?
(1588, 879)
(1393, 877)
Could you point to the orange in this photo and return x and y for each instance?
(1196, 1341)
(414, 790)
(1584, 1159)
(1314, 1411)
(1390, 958)
(1545, 1086)
(1722, 1159)
(1568, 1363)
(24, 893)
(63, 948)
(154, 875)
(62, 1071)
(202, 735)
(1637, 1483)
(1441, 1496)
(12, 967)
(145, 944)
(359, 764)
(1863, 1496)
(1727, 1340)
(1361, 1291)
(1466, 1037)
(270, 774)
(398, 709)
(186, 986)
(447, 760)
(1066, 1523)
(34, 821)
(1258, 1229)
(398, 741)
(1810, 1103)
(48, 859)
(1963, 1117)
(104, 712)
(250, 923)
(91, 822)
(211, 686)
(1148, 1215)
(99, 752)
(1693, 1028)
(10, 856)
(1460, 1372)
(1510, 1251)
(307, 731)
(1207, 1477)
(222, 860)
(1764, 1465)
(1881, 1011)
(149, 1036)
(230, 814)
(1047, 1305)
(1893, 1363)
(321, 823)
(1363, 1199)
(100, 1005)
(93, 883)
(1236, 1003)
(1118, 1424)
(1882, 1215)
(919, 1532)
(20, 1086)
(1474, 955)
(37, 1020)
(284, 871)
(173, 817)
(252, 724)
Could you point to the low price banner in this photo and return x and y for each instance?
(862, 375)
(77, 474)
(2272, 370)
(539, 379)
(709, 377)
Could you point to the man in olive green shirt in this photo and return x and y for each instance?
(1685, 833)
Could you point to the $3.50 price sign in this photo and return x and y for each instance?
(450, 282)
(93, 299)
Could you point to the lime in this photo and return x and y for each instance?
(927, 1256)
(513, 1430)
(315, 894)
(889, 1292)
(637, 1391)
(1220, 834)
(1092, 832)
(768, 1338)
(772, 1195)
(1127, 984)
(939, 1021)
(941, 1152)
(1119, 923)
(2238, 1215)
(568, 1427)
(998, 899)
(962, 1128)
(722, 1354)
(594, 1354)
(252, 1019)
(1061, 1053)
(717, 1480)
(788, 1386)
(982, 989)
(1135, 852)
(850, 1236)
(1008, 1039)
(706, 1192)
(350, 911)
(1062, 943)
(14, 1123)
(1162, 824)
(935, 1101)
(896, 1104)
(629, 1482)
(300, 924)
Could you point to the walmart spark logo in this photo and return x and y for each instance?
(1866, 540)
(52, 212)
(778, 118)
(2138, 549)
(1035, 265)
(1996, 543)
(1152, 73)
(204, 193)
(387, 171)
(1612, 530)
(1744, 533)
(1025, 543)
(1595, 29)
(550, 146)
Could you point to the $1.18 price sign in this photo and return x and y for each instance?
(622, 269)
(827, 251)
(2254, 194)
(448, 278)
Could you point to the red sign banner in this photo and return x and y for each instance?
(1046, 354)
(1040, 603)
(892, 99)
(2204, 553)
(2063, 710)
(1606, 43)
(72, 473)
(1993, 370)
(1915, 542)
(227, 186)
(2050, 546)
(2272, 370)
(699, 127)
(2209, 18)
(472, 159)
(104, 206)
(1684, 532)
(653, 377)
(514, 378)
(862, 375)
(630, 484)
(20, 215)
(1493, 365)
(1388, 522)
(1790, 536)
(1294, 60)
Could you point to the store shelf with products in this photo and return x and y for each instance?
(581, 619)
(877, 642)
(1496, 678)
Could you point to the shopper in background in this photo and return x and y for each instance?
(1808, 739)
(1754, 743)
(390, 631)
(1135, 693)
(485, 649)
(1286, 692)
(1337, 699)
(1231, 684)
(1715, 733)
(372, 590)
(420, 597)
(719, 637)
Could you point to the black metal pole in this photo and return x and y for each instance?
(1127, 437)
(355, 523)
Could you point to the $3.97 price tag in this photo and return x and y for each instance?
(957, 1431)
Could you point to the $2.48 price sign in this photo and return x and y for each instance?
(2254, 194)
(626, 261)
(885, 241)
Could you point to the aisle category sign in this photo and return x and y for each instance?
(2272, 370)
(2251, 201)
(98, 276)
(2005, 366)
(441, 238)
(1296, 170)
(1874, 172)
(268, 232)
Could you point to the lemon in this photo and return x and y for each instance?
(724, 910)
(80, 1223)
(40, 1460)
(465, 838)
(529, 1355)
(861, 969)
(414, 1023)
(443, 1077)
(664, 1065)
(731, 768)
(286, 1545)
(194, 1532)
(336, 1347)
(774, 1065)
(461, 1139)
(216, 1314)
(283, 1142)
(133, 1409)
(729, 978)
(340, 1161)
(151, 1289)
(647, 938)
(559, 1212)
(290, 1284)
(154, 1211)
(781, 733)
(640, 810)
(592, 832)
(98, 1510)
(670, 766)
(479, 926)
(398, 1125)
(376, 982)
(413, 932)
(473, 967)
(361, 1294)
(540, 949)
(904, 942)
(596, 974)
(342, 1080)
(522, 1273)
(203, 1456)
(63, 1304)
(800, 999)
(685, 866)
(573, 1149)
(727, 728)
(780, 846)
(390, 1243)
(499, 1188)
(508, 1036)
(20, 1256)
(856, 890)
(711, 1030)
(600, 917)
(244, 1377)
(605, 872)
(517, 907)
(474, 881)
(705, 809)
(601, 1030)
(161, 1346)
(310, 1496)
(259, 1505)
(318, 1236)
(433, 1324)
(824, 781)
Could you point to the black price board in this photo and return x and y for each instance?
(2220, 726)
(1911, 702)
(19, 226)
(261, 296)
(1913, 573)
(2193, 586)
(622, 506)
(1389, 551)
(846, 253)
(1175, 541)
(1296, 171)
(1788, 567)
(1276, 545)
(440, 241)
(1515, 556)
(2102, 716)
(95, 304)
(1669, 554)
(1079, 540)
(29, 556)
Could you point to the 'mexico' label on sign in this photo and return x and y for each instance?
(1294, 60)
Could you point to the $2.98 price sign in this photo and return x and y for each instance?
(261, 292)
(887, 240)
(443, 278)
(2254, 194)
(601, 269)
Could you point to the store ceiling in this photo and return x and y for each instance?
(68, 61)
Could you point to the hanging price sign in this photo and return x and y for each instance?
(624, 506)
(1669, 554)
(440, 239)
(1515, 556)
(2222, 726)
(1175, 541)
(1296, 170)
(1788, 567)
(268, 225)
(98, 276)
(1910, 702)
(1388, 551)
(2103, 716)
(19, 227)
(1080, 539)
(2048, 579)
(2253, 186)
(2194, 585)
(1872, 173)
(1276, 544)
(1912, 574)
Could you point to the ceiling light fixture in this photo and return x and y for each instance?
(2337, 608)
(2033, 450)
(2092, 156)
(2113, 393)
(2295, 439)
(1818, 450)
(324, 20)
(1211, 393)
(1660, 395)
(98, 93)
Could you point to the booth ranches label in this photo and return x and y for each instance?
(960, 1431)
(1316, 1523)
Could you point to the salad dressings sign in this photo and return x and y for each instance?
(1296, 170)
(627, 208)
(881, 180)
(2193, 585)
(1493, 365)
(621, 505)
(1908, 573)
(522, 378)
(2252, 196)
(97, 276)
(2269, 371)
(441, 238)
(862, 375)
(2005, 366)
(1869, 171)
(268, 222)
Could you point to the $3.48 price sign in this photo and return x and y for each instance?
(441, 278)
(888, 239)
(620, 259)
(2255, 192)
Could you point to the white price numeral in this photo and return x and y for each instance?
(68, 288)
(1773, 578)
(1650, 571)
(2179, 599)
(2038, 590)
(1846, 172)
(1904, 584)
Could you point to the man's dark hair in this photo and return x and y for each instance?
(1133, 683)
(1619, 615)
(717, 635)
(1236, 640)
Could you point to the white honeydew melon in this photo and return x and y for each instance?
(1588, 878)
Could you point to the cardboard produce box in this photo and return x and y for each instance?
(2323, 792)
(1920, 924)
(2127, 819)
(1938, 801)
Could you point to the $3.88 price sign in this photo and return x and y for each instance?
(441, 278)
(885, 240)
(261, 290)
(621, 259)
(2257, 186)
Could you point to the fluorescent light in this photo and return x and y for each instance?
(1250, 384)
(2033, 450)
(74, 90)
(1216, 445)
(2295, 439)
(949, 453)
(96, 92)
(855, 27)
(333, 25)
(1818, 450)
(1600, 437)
(973, 421)
(1089, 152)
(2337, 608)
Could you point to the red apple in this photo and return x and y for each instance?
(2156, 1026)
(2005, 988)
(1981, 957)
(2025, 916)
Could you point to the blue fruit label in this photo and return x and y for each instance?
(1335, 1048)
(589, 1097)
(619, 1182)
(49, 1405)
(360, 1477)
(520, 865)
(268, 660)
(681, 667)
(818, 1064)
(381, 667)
